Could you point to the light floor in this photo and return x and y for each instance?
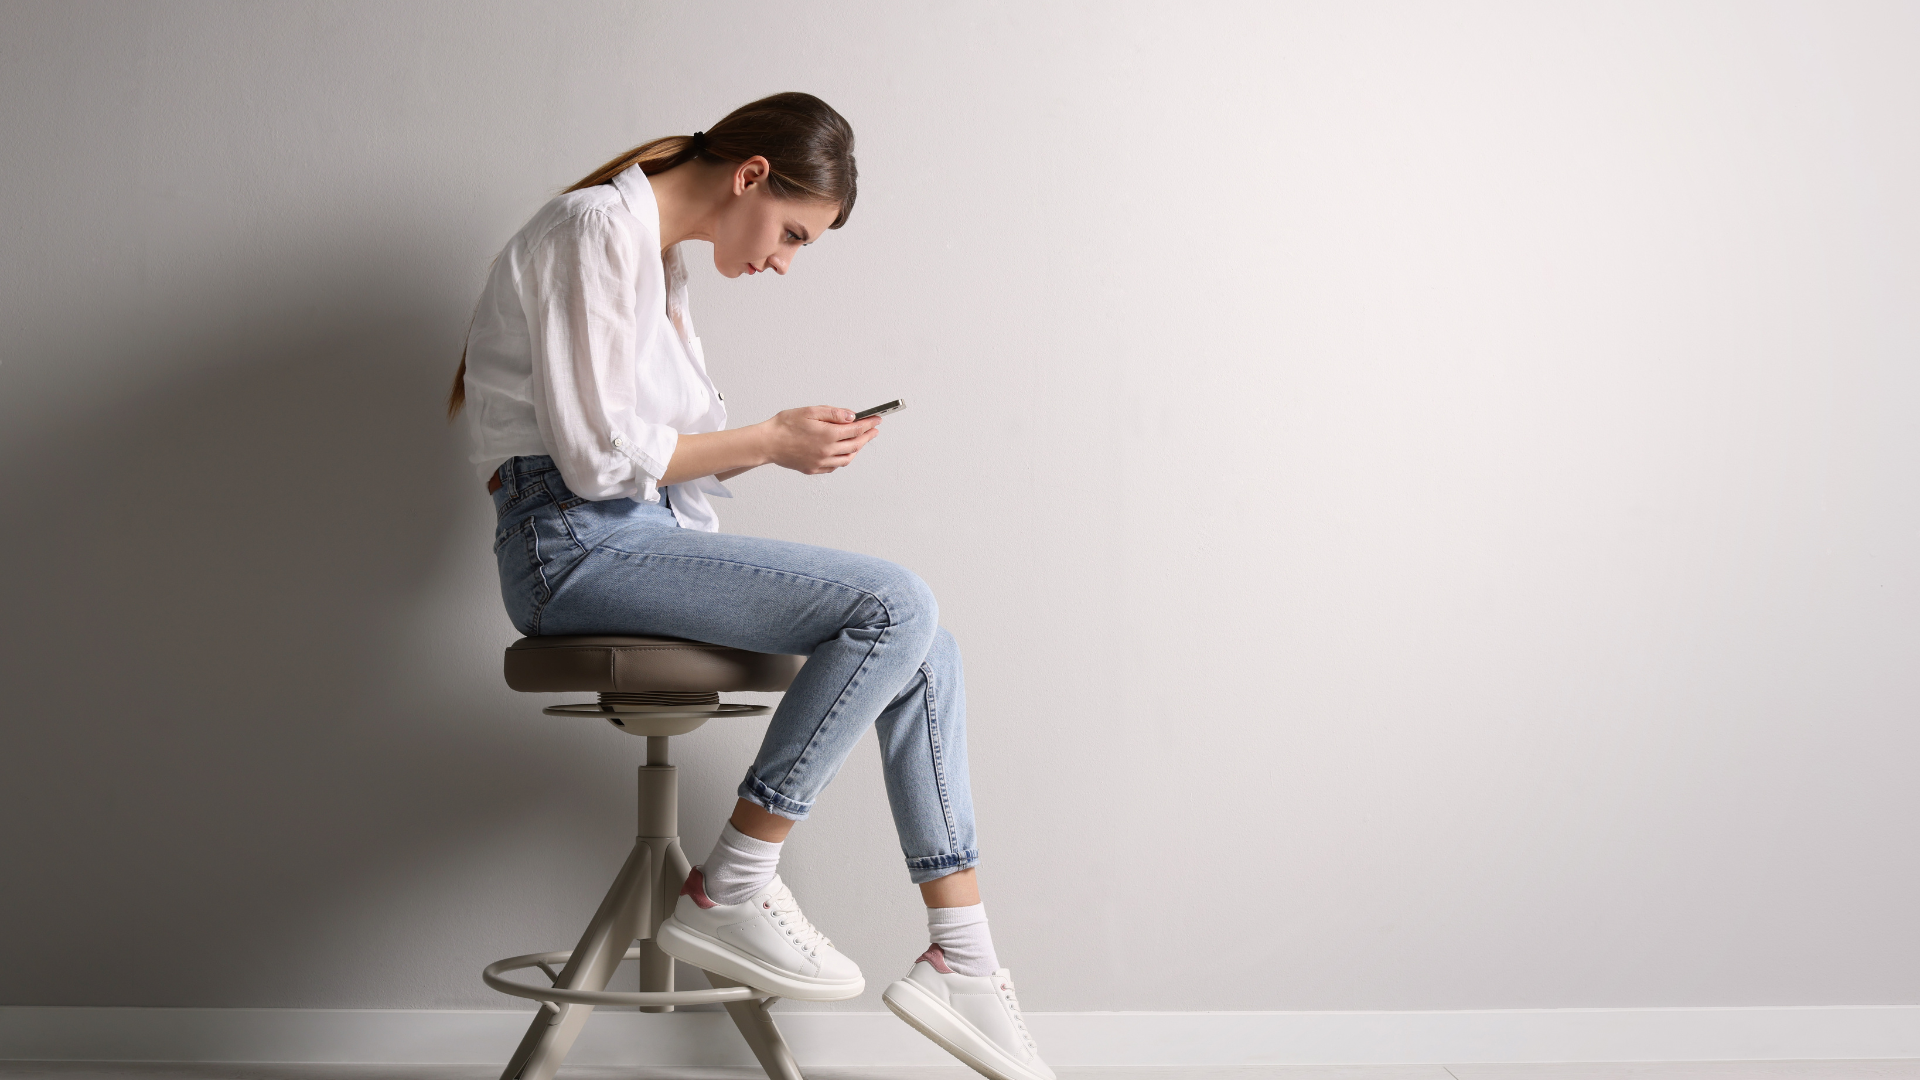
(1713, 1070)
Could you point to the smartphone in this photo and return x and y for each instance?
(893, 406)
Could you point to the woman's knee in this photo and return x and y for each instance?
(945, 652)
(907, 599)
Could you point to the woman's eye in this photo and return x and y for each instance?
(792, 236)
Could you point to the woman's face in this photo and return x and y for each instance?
(757, 232)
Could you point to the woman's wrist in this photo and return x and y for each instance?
(758, 444)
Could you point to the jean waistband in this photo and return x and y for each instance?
(515, 472)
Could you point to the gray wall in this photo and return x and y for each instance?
(1428, 492)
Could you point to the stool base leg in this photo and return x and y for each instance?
(757, 1027)
(622, 914)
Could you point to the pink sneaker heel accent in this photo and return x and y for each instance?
(936, 956)
(696, 887)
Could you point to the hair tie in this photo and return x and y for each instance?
(699, 141)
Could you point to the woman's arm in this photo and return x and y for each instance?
(816, 439)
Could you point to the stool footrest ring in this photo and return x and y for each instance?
(495, 972)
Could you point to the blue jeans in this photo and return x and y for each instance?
(877, 654)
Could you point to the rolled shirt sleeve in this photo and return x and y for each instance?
(588, 309)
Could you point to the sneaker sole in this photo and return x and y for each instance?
(708, 954)
(930, 1017)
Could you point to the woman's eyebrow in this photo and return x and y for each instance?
(801, 232)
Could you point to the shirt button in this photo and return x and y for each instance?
(619, 444)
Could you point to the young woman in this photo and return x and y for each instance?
(601, 438)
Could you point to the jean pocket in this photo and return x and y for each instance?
(504, 532)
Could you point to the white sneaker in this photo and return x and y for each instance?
(976, 1019)
(765, 943)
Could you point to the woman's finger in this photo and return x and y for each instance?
(863, 429)
(857, 433)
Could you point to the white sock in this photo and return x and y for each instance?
(961, 933)
(738, 867)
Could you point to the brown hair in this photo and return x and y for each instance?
(808, 147)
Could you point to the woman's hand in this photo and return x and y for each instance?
(817, 439)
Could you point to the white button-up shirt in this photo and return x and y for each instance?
(582, 348)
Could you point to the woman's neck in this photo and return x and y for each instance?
(689, 197)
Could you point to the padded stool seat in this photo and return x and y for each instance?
(625, 665)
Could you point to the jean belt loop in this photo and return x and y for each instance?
(509, 477)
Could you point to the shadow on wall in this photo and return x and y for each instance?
(219, 539)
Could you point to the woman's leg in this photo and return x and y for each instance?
(875, 652)
(956, 992)
(923, 751)
(958, 889)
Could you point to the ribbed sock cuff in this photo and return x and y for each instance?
(739, 866)
(961, 933)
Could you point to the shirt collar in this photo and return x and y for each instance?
(632, 185)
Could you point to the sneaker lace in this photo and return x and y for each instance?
(787, 915)
(1005, 983)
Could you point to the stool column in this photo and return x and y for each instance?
(660, 832)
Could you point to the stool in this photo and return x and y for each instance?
(657, 688)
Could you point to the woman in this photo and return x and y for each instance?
(601, 438)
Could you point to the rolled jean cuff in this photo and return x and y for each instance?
(933, 867)
(764, 797)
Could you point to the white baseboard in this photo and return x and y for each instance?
(849, 1039)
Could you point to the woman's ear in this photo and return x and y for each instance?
(751, 171)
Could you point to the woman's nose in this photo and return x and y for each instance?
(777, 264)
